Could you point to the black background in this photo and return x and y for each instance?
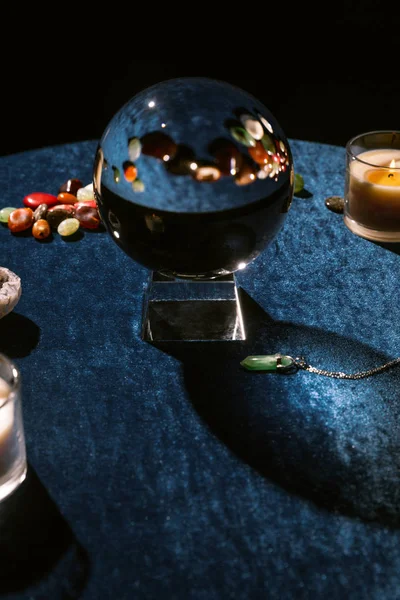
(326, 72)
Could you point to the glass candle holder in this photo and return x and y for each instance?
(372, 186)
(13, 464)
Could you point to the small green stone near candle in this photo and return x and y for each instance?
(298, 183)
(266, 362)
(5, 213)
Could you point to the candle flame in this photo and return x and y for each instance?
(392, 164)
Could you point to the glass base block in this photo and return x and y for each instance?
(179, 310)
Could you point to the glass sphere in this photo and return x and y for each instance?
(193, 178)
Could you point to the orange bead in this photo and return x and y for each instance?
(20, 219)
(41, 229)
(130, 171)
(246, 175)
(66, 198)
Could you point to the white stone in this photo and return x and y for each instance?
(86, 193)
(10, 291)
(252, 126)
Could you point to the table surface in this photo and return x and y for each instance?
(171, 472)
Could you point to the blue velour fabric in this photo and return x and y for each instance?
(168, 471)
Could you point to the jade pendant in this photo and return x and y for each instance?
(267, 362)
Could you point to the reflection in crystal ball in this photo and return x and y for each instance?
(193, 177)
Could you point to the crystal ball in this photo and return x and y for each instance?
(193, 177)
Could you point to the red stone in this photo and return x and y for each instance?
(159, 145)
(70, 208)
(20, 219)
(58, 213)
(259, 154)
(246, 175)
(66, 198)
(88, 217)
(34, 199)
(91, 203)
(229, 159)
(71, 186)
(130, 171)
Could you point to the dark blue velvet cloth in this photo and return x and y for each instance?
(169, 471)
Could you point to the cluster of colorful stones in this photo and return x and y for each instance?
(43, 213)
(257, 154)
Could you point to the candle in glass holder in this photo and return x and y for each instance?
(372, 198)
(6, 427)
(13, 463)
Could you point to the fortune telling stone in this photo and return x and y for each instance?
(259, 154)
(91, 203)
(66, 198)
(68, 227)
(130, 171)
(88, 217)
(40, 212)
(335, 204)
(5, 213)
(206, 172)
(252, 126)
(20, 219)
(228, 157)
(247, 174)
(242, 136)
(134, 148)
(36, 198)
(58, 213)
(159, 145)
(138, 185)
(86, 193)
(268, 143)
(71, 186)
(41, 229)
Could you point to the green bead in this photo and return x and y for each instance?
(68, 227)
(242, 136)
(5, 213)
(298, 183)
(117, 174)
(138, 185)
(266, 362)
(268, 143)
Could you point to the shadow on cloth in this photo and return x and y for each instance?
(18, 335)
(393, 246)
(36, 543)
(333, 441)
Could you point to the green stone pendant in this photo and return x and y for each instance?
(267, 362)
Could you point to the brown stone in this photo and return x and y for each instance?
(41, 229)
(71, 186)
(159, 145)
(20, 219)
(58, 213)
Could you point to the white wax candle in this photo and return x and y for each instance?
(6, 412)
(373, 194)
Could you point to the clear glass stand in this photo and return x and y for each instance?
(180, 310)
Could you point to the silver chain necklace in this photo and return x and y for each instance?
(282, 363)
